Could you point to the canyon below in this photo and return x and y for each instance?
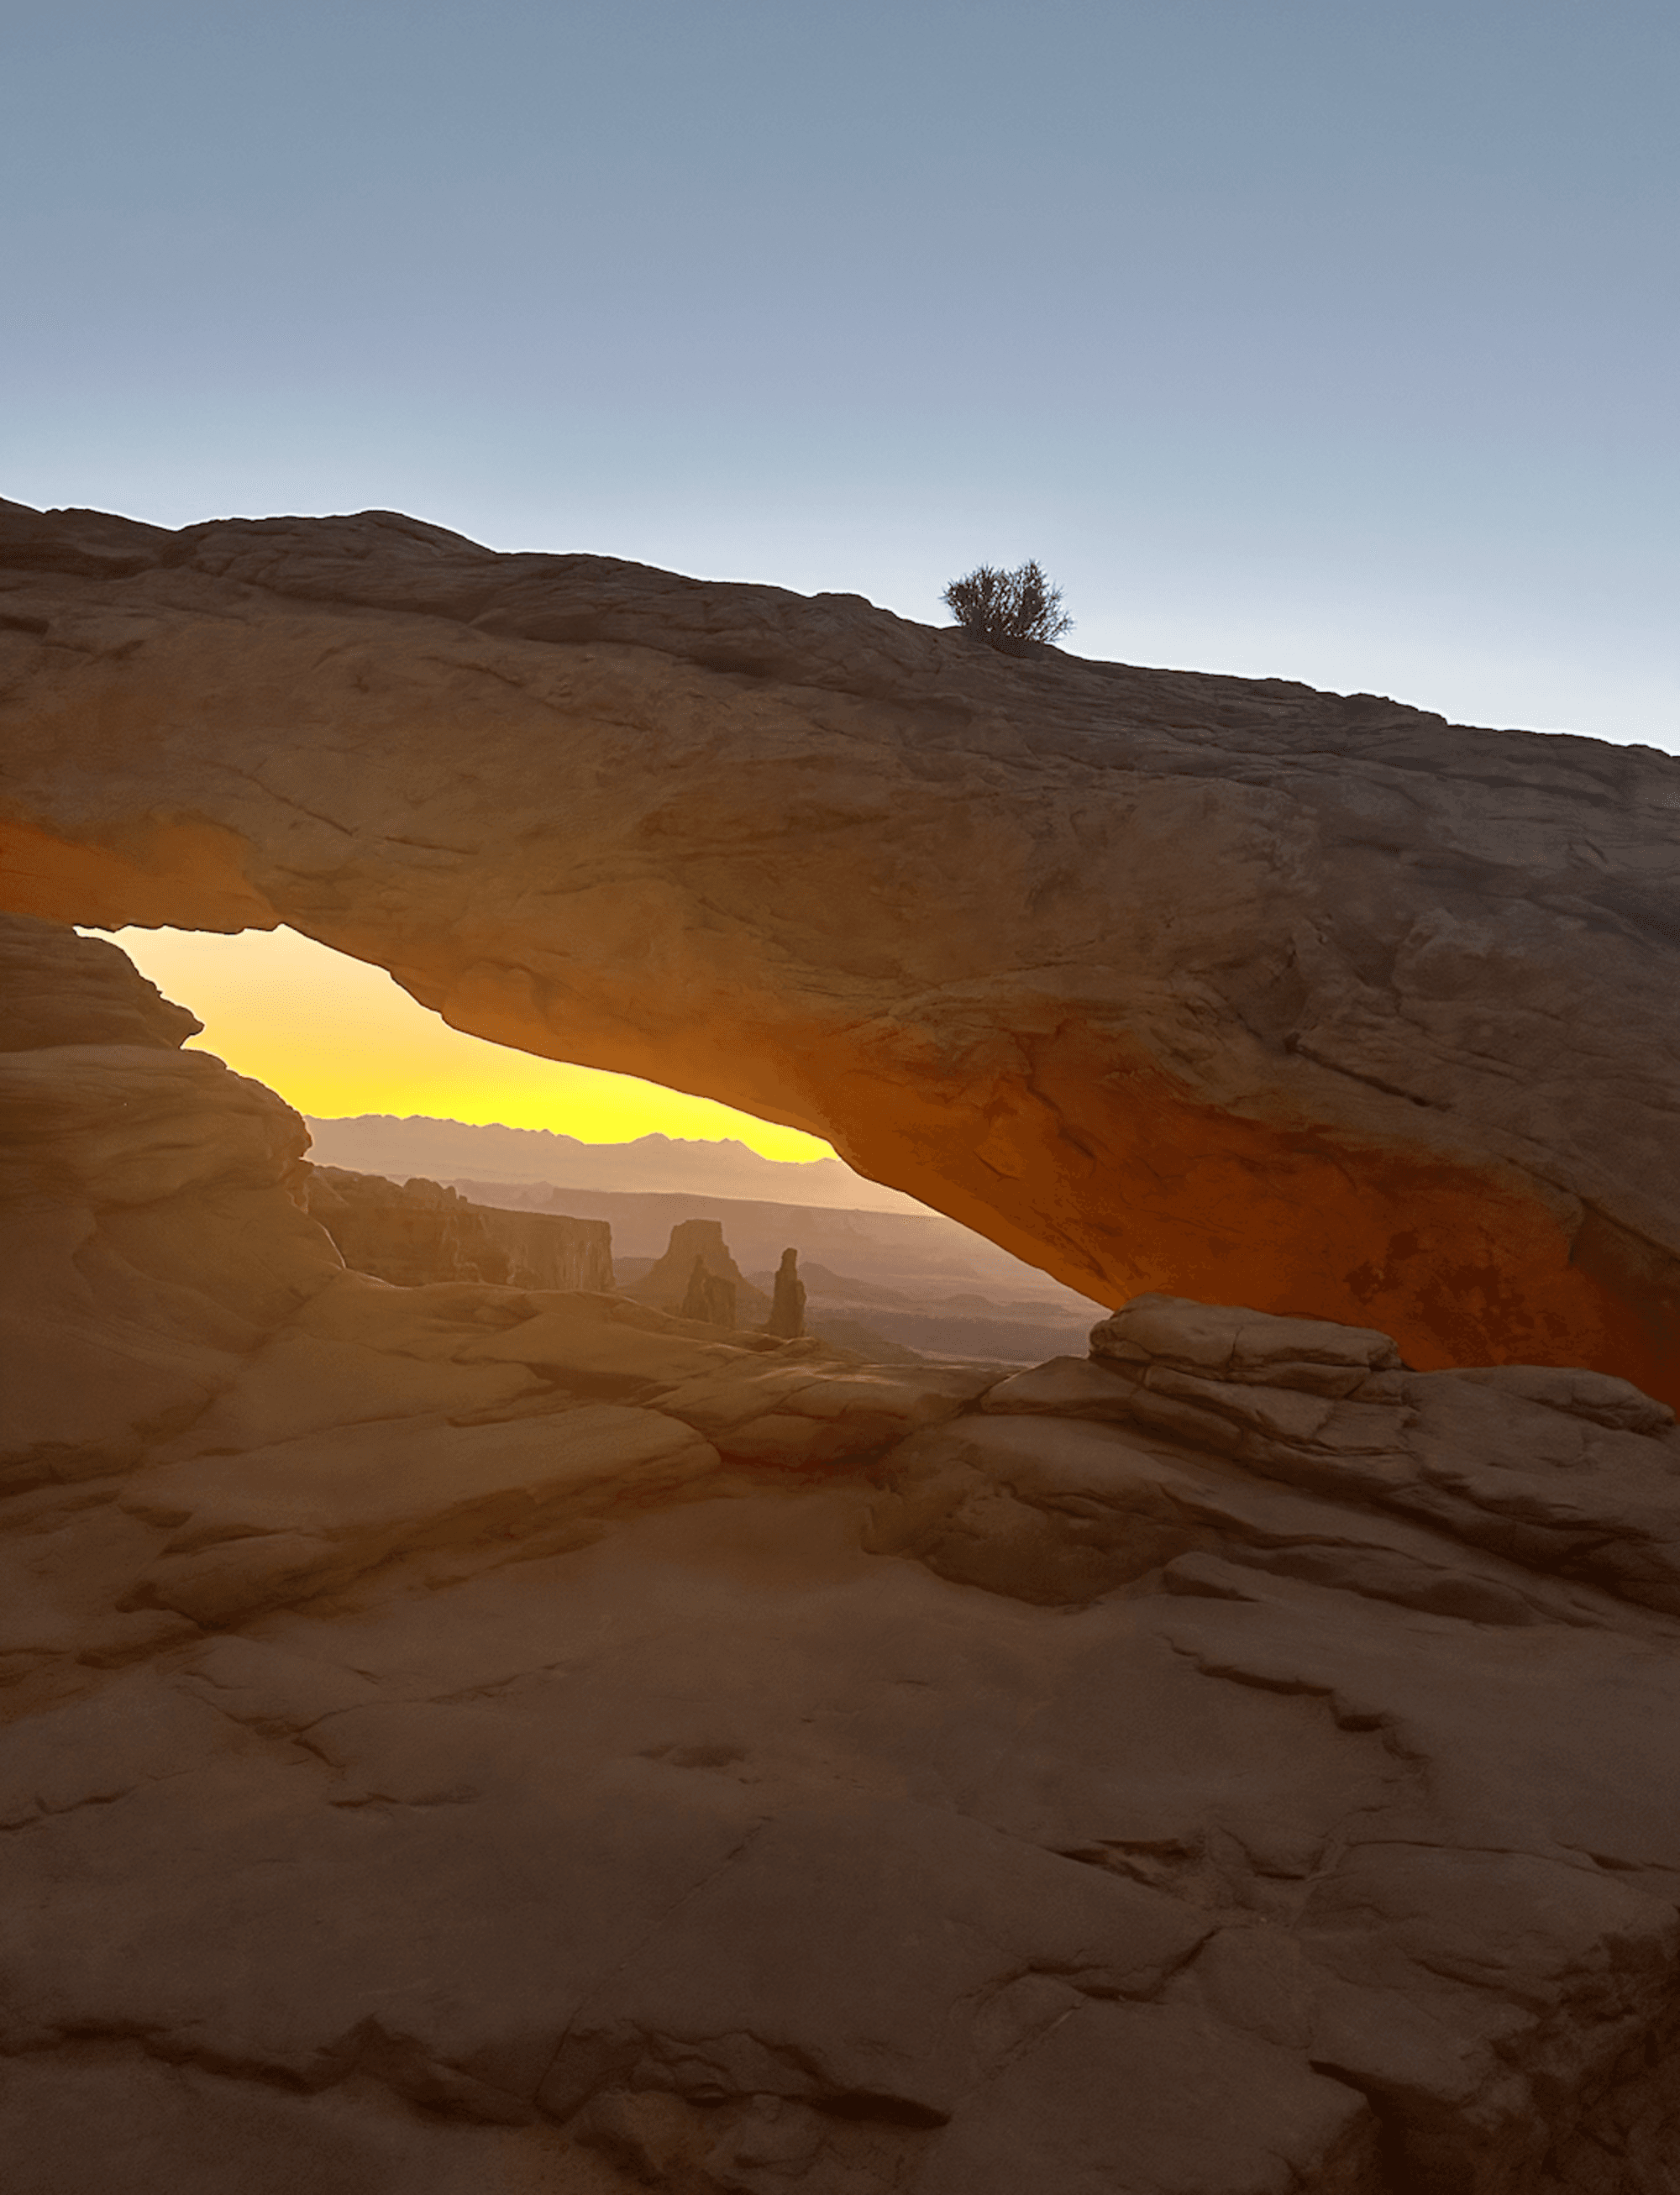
(504, 1737)
(891, 1280)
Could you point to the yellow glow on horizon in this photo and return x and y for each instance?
(336, 1037)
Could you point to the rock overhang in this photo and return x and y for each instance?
(1233, 1714)
(1224, 987)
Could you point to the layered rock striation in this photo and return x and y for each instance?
(1219, 988)
(414, 1232)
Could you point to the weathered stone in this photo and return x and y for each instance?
(803, 1409)
(1220, 1342)
(787, 1305)
(300, 1383)
(593, 1342)
(1065, 1387)
(698, 1252)
(755, 1990)
(417, 1232)
(1576, 1472)
(1162, 980)
(708, 1298)
(766, 1856)
(59, 988)
(1052, 1512)
(298, 1518)
(148, 1235)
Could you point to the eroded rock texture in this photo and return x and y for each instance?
(462, 1740)
(1220, 987)
(700, 1243)
(418, 1231)
(152, 1237)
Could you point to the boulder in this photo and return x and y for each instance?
(1216, 987)
(1574, 1472)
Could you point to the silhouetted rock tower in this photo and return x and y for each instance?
(787, 1308)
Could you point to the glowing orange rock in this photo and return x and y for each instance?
(1224, 987)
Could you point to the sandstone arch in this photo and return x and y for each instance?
(1225, 987)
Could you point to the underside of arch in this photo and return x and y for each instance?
(1226, 988)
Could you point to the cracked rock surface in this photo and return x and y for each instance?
(467, 1740)
(1220, 987)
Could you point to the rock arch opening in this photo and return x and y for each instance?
(1222, 988)
(338, 1040)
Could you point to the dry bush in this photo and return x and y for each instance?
(1012, 611)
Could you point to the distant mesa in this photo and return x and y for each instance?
(417, 1232)
(698, 1278)
(699, 1254)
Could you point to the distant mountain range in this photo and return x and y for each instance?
(443, 1150)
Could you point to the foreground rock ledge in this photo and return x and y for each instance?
(471, 1740)
(1221, 986)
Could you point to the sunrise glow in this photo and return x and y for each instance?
(336, 1038)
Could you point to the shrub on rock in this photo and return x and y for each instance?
(1012, 611)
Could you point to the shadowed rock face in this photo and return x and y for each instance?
(1222, 988)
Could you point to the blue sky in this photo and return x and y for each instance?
(1335, 341)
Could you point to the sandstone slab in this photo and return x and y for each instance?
(311, 1513)
(736, 1858)
(796, 1408)
(469, 1737)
